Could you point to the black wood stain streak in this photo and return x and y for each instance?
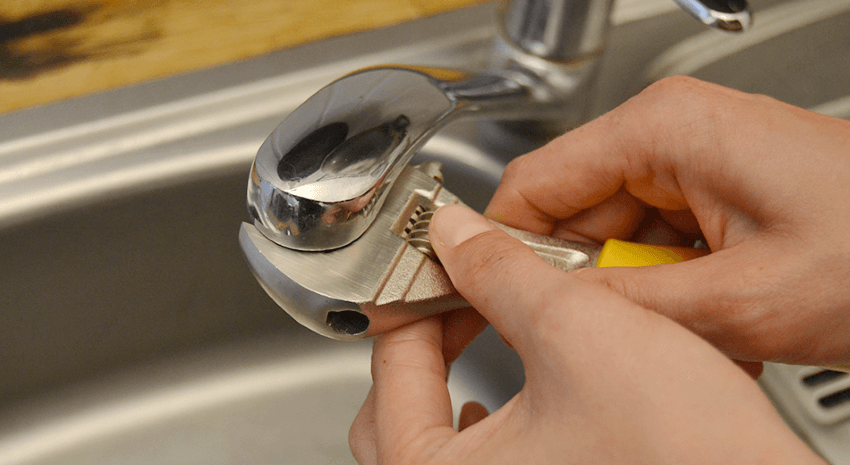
(60, 50)
(37, 24)
(18, 64)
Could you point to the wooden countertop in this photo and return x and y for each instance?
(56, 49)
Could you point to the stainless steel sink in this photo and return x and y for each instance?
(131, 331)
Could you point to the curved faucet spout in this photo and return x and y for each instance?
(726, 15)
(321, 177)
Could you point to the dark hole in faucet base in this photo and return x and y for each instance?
(348, 322)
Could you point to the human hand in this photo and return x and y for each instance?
(606, 380)
(765, 183)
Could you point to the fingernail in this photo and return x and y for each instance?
(454, 224)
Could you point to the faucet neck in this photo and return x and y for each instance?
(557, 30)
(567, 30)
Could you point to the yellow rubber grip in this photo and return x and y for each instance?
(622, 253)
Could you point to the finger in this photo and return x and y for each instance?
(459, 329)
(754, 369)
(492, 270)
(470, 414)
(557, 324)
(647, 146)
(618, 217)
(724, 297)
(411, 397)
(744, 300)
(505, 342)
(361, 437)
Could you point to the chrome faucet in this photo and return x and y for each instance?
(565, 30)
(322, 177)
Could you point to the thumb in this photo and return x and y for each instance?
(497, 274)
(716, 296)
(547, 315)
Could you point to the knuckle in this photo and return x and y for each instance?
(516, 170)
(687, 113)
(676, 85)
(690, 97)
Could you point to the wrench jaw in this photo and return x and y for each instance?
(378, 282)
(302, 303)
(417, 287)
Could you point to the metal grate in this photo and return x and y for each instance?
(822, 394)
(825, 394)
(816, 404)
(822, 377)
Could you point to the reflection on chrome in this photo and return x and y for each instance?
(322, 175)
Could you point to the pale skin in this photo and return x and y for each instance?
(634, 366)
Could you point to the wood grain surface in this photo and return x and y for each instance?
(55, 49)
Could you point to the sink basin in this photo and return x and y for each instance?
(131, 331)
